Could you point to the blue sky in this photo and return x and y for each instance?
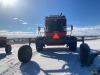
(27, 15)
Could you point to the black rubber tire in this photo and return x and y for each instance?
(8, 48)
(73, 43)
(84, 54)
(39, 44)
(39, 47)
(25, 53)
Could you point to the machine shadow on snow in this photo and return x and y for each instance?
(30, 68)
(58, 53)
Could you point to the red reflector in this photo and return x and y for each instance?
(55, 36)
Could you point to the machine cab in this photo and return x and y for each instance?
(55, 24)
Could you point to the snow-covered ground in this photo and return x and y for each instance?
(56, 60)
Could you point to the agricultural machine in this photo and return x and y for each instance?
(3, 44)
(55, 34)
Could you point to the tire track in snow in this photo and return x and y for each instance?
(10, 56)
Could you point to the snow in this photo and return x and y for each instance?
(57, 60)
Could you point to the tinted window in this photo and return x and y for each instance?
(55, 25)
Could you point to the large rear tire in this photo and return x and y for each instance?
(25, 53)
(8, 48)
(73, 43)
(84, 54)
